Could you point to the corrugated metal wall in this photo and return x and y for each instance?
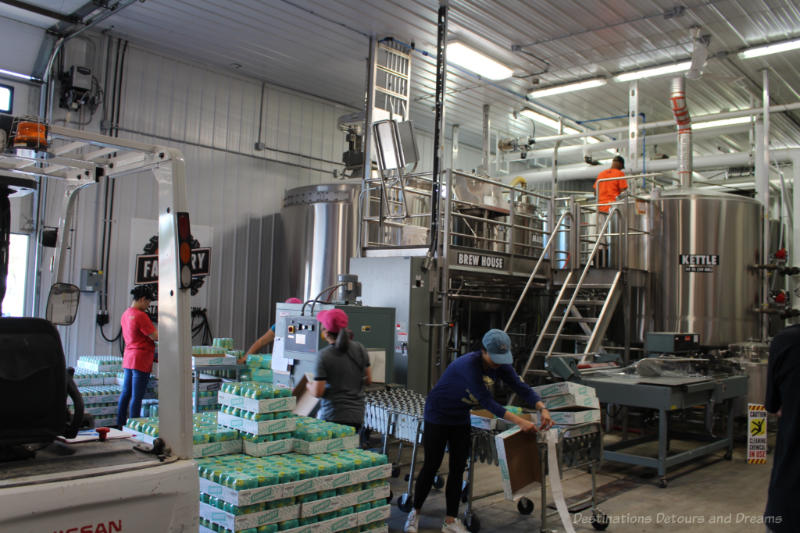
(212, 117)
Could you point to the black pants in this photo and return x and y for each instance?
(434, 440)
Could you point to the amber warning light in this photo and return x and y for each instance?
(185, 249)
(30, 135)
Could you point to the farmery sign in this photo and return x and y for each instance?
(147, 266)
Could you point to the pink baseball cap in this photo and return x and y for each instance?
(333, 319)
(293, 301)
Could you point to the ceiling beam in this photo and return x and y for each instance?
(49, 13)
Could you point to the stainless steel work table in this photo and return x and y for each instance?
(667, 395)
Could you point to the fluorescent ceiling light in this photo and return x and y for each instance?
(16, 75)
(545, 120)
(653, 72)
(477, 62)
(569, 87)
(718, 123)
(768, 49)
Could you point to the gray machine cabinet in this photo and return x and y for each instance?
(400, 282)
(371, 326)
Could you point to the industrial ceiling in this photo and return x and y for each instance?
(320, 46)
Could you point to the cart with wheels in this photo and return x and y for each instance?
(400, 414)
(579, 446)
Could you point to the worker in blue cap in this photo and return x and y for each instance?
(462, 387)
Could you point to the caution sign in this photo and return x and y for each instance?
(756, 433)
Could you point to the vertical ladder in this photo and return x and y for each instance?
(392, 92)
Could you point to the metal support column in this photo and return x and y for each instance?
(763, 181)
(454, 145)
(487, 134)
(794, 281)
(440, 247)
(367, 168)
(633, 131)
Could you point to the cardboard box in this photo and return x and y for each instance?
(246, 521)
(263, 449)
(269, 405)
(333, 525)
(485, 419)
(213, 361)
(335, 503)
(577, 416)
(264, 427)
(325, 446)
(374, 515)
(567, 401)
(564, 387)
(306, 402)
(294, 488)
(206, 400)
(209, 385)
(520, 467)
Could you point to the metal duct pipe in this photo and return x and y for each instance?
(684, 123)
(582, 171)
(659, 138)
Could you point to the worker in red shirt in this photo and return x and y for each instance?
(607, 192)
(140, 335)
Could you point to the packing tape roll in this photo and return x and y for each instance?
(555, 481)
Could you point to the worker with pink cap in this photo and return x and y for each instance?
(343, 370)
(267, 338)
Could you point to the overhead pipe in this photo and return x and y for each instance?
(659, 138)
(666, 123)
(582, 171)
(683, 121)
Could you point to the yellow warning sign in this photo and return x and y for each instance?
(756, 434)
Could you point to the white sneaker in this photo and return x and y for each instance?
(412, 522)
(456, 526)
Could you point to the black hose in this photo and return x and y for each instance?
(113, 339)
(116, 112)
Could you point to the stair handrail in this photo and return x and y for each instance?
(550, 242)
(614, 212)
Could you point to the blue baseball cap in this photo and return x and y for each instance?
(498, 346)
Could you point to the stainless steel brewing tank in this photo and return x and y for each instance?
(708, 243)
(320, 233)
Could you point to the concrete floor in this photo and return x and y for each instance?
(709, 495)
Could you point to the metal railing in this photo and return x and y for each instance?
(479, 214)
(550, 241)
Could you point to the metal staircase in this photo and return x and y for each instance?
(588, 309)
(582, 311)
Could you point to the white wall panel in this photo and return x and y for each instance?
(212, 117)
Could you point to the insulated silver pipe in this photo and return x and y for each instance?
(684, 123)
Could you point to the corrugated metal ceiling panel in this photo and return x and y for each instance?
(319, 46)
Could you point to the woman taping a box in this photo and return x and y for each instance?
(447, 419)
